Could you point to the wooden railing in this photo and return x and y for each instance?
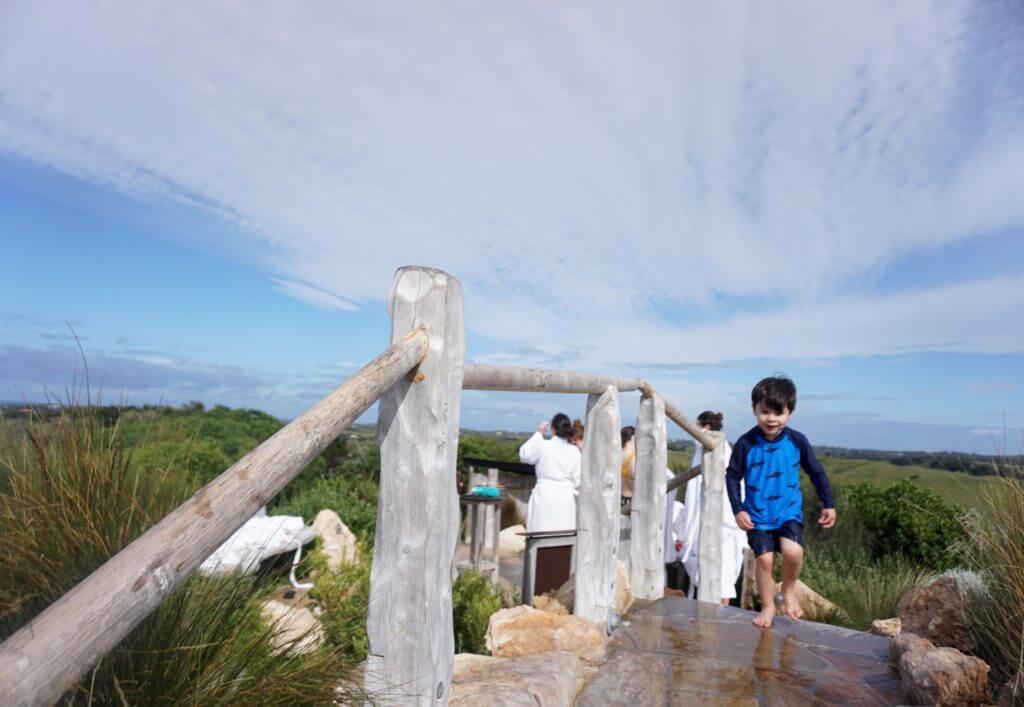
(418, 381)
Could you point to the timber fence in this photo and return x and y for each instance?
(418, 381)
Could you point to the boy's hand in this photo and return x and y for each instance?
(827, 518)
(743, 520)
(543, 427)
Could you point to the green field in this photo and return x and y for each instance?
(960, 488)
(957, 487)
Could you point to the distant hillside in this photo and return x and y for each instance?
(964, 489)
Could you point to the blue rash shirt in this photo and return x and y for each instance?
(770, 471)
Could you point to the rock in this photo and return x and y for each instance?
(527, 631)
(937, 609)
(294, 627)
(814, 605)
(623, 593)
(549, 679)
(939, 676)
(546, 602)
(886, 627)
(339, 544)
(1012, 692)
(510, 543)
(906, 642)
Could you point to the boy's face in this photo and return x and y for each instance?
(771, 422)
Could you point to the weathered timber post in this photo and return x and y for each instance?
(709, 586)
(647, 514)
(409, 624)
(597, 523)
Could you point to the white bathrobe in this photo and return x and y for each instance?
(670, 516)
(552, 503)
(733, 538)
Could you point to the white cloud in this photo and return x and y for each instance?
(577, 166)
(312, 295)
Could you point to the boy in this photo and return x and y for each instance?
(767, 459)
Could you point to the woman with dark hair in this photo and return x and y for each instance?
(733, 539)
(556, 461)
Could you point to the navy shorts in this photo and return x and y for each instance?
(762, 541)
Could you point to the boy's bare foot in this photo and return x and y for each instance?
(764, 619)
(791, 606)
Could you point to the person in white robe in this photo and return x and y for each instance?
(733, 538)
(552, 504)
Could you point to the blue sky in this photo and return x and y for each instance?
(216, 202)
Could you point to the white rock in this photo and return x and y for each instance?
(549, 679)
(294, 626)
(511, 544)
(339, 543)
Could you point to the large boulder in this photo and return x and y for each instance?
(815, 606)
(549, 679)
(338, 542)
(937, 610)
(510, 542)
(528, 631)
(939, 676)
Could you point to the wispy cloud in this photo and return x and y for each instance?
(312, 295)
(582, 168)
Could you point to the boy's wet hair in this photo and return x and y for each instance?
(777, 393)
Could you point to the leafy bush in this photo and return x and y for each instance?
(910, 521)
(344, 597)
(354, 500)
(997, 553)
(473, 602)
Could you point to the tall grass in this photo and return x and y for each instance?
(70, 498)
(997, 552)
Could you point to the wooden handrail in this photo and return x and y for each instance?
(673, 413)
(545, 380)
(541, 380)
(47, 657)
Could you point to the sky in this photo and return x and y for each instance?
(208, 202)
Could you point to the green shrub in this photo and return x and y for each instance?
(353, 499)
(910, 521)
(473, 602)
(344, 597)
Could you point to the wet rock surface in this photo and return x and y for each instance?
(675, 651)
